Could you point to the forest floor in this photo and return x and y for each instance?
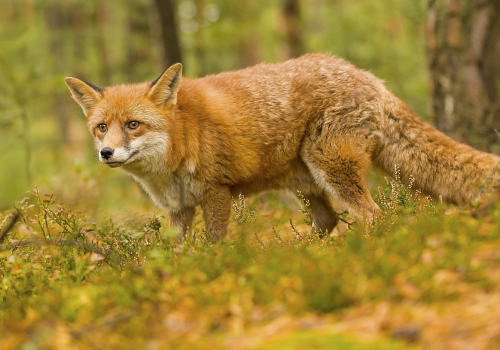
(420, 275)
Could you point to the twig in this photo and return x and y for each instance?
(108, 323)
(345, 221)
(48, 241)
(278, 238)
(15, 217)
(65, 242)
(295, 231)
(262, 245)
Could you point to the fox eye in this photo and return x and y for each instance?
(133, 125)
(102, 127)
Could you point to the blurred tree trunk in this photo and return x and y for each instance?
(139, 41)
(101, 19)
(200, 43)
(58, 22)
(169, 36)
(249, 51)
(463, 44)
(292, 28)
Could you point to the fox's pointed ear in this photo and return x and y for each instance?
(86, 94)
(163, 91)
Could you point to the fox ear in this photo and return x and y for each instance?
(86, 94)
(163, 91)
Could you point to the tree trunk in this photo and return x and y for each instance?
(292, 27)
(139, 59)
(463, 45)
(58, 23)
(169, 36)
(101, 18)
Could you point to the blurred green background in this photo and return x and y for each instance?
(43, 138)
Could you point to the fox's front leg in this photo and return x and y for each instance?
(216, 207)
(183, 219)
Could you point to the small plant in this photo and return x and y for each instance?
(305, 208)
(89, 279)
(154, 226)
(401, 198)
(243, 215)
(399, 201)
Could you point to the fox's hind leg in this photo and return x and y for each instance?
(340, 168)
(324, 217)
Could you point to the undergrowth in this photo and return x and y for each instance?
(67, 280)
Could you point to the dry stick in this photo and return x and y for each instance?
(15, 217)
(108, 323)
(262, 246)
(344, 220)
(87, 246)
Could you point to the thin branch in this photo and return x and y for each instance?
(108, 323)
(344, 220)
(259, 241)
(15, 217)
(65, 242)
(49, 241)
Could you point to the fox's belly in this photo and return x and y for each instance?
(296, 178)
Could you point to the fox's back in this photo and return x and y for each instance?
(265, 111)
(276, 98)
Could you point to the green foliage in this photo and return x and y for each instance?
(310, 340)
(126, 283)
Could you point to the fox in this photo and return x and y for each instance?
(314, 124)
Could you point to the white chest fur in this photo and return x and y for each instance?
(171, 191)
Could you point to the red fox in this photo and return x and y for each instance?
(313, 124)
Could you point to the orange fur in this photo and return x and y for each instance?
(313, 124)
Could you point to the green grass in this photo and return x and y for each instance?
(69, 282)
(315, 341)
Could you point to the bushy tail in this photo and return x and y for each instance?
(439, 165)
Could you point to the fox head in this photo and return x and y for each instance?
(130, 123)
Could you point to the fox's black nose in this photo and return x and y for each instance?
(106, 152)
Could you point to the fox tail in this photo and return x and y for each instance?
(439, 165)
